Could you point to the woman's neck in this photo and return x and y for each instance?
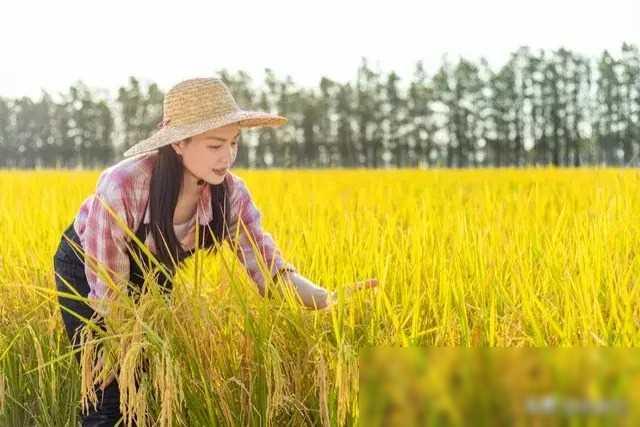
(192, 186)
(190, 193)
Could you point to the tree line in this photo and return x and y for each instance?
(541, 107)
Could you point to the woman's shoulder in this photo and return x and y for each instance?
(127, 173)
(238, 187)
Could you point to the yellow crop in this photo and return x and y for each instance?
(499, 258)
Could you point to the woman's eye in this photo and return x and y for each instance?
(218, 146)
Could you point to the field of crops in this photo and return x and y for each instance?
(500, 258)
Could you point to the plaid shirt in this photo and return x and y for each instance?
(125, 188)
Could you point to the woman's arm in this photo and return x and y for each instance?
(254, 247)
(105, 244)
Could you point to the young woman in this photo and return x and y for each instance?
(172, 181)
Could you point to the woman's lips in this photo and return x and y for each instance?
(220, 172)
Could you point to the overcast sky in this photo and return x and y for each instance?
(52, 44)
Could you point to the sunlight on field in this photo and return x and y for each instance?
(466, 258)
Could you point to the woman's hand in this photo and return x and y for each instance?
(109, 379)
(318, 298)
(349, 290)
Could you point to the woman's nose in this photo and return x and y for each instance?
(229, 156)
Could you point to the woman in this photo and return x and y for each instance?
(173, 182)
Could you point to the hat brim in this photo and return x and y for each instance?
(171, 134)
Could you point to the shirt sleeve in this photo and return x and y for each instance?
(254, 247)
(105, 244)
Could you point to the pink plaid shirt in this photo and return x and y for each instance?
(125, 188)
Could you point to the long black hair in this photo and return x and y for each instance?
(166, 181)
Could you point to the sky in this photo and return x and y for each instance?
(51, 45)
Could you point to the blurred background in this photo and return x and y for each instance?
(364, 84)
(499, 387)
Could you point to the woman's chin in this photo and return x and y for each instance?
(214, 178)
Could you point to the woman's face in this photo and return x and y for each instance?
(211, 154)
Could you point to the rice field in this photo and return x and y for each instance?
(468, 258)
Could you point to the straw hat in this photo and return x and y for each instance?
(197, 105)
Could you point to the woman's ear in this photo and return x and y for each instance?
(179, 146)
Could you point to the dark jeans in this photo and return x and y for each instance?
(70, 266)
